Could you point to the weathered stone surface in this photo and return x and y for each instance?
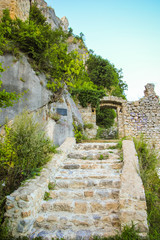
(36, 96)
(80, 207)
(18, 8)
(88, 193)
(83, 203)
(132, 203)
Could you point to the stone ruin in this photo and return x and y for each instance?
(133, 118)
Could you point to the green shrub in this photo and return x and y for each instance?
(148, 161)
(55, 116)
(128, 233)
(51, 186)
(101, 157)
(31, 146)
(105, 117)
(78, 132)
(24, 149)
(47, 196)
(88, 96)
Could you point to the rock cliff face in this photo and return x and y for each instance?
(18, 8)
(20, 77)
(21, 8)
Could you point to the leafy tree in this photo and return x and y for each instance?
(105, 75)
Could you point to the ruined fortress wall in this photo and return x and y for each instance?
(18, 8)
(143, 116)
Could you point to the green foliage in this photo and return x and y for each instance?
(101, 157)
(78, 132)
(105, 117)
(47, 196)
(88, 125)
(23, 150)
(128, 233)
(104, 74)
(88, 96)
(55, 116)
(103, 133)
(47, 49)
(148, 169)
(51, 186)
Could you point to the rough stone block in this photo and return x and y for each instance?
(26, 214)
(112, 206)
(96, 207)
(62, 206)
(88, 193)
(80, 207)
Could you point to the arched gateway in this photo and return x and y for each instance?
(117, 104)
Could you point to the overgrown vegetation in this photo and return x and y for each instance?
(105, 117)
(105, 76)
(109, 133)
(88, 96)
(47, 196)
(24, 149)
(47, 52)
(148, 169)
(47, 49)
(128, 233)
(78, 132)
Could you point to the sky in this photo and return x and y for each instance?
(126, 32)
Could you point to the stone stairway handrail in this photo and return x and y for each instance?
(132, 195)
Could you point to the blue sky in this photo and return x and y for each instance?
(125, 32)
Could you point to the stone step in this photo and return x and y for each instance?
(81, 174)
(82, 233)
(93, 155)
(87, 183)
(98, 194)
(58, 220)
(80, 165)
(96, 161)
(80, 206)
(95, 146)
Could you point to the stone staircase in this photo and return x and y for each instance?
(85, 200)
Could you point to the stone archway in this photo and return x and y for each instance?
(117, 104)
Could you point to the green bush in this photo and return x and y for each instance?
(148, 169)
(128, 233)
(24, 149)
(78, 132)
(88, 96)
(105, 117)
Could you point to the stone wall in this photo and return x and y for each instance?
(89, 116)
(143, 116)
(137, 117)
